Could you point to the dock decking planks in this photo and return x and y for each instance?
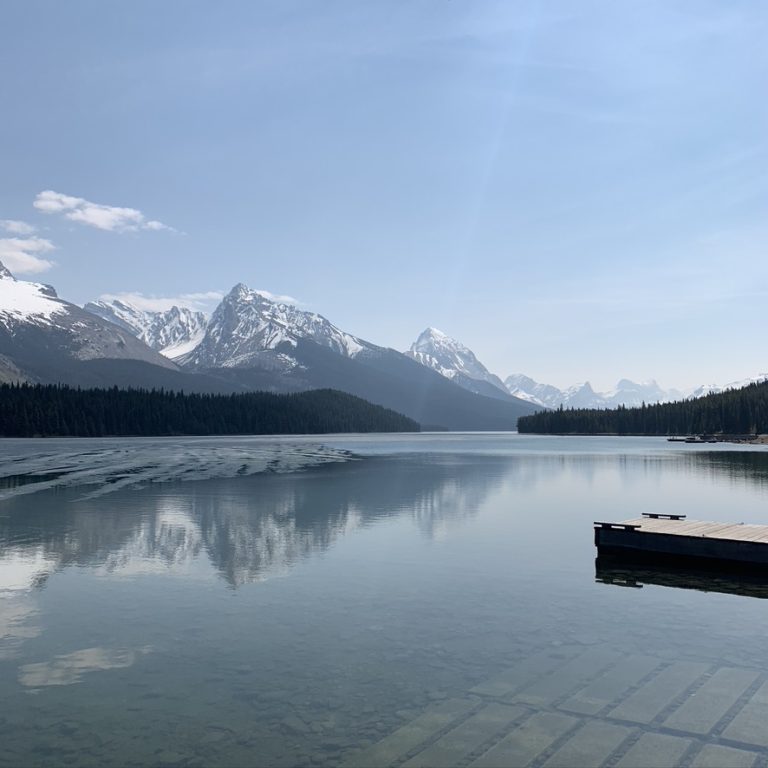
(659, 537)
(701, 528)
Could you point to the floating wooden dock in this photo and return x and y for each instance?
(693, 439)
(673, 538)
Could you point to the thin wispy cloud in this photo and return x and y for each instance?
(279, 298)
(16, 227)
(109, 218)
(23, 255)
(200, 301)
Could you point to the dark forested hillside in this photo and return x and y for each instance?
(737, 411)
(51, 410)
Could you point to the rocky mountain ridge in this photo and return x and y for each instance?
(44, 337)
(251, 342)
(247, 324)
(173, 332)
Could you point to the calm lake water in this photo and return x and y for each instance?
(394, 600)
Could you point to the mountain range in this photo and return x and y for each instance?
(582, 395)
(452, 359)
(251, 342)
(626, 392)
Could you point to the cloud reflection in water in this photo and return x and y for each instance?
(69, 668)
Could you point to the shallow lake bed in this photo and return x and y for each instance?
(425, 599)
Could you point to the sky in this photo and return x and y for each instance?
(576, 191)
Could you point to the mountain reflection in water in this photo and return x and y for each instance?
(264, 524)
(150, 625)
(269, 525)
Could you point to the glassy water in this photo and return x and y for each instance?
(402, 600)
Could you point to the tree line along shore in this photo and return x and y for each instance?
(735, 412)
(28, 410)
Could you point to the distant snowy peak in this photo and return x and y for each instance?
(24, 302)
(707, 389)
(173, 332)
(248, 323)
(626, 392)
(629, 392)
(122, 314)
(526, 388)
(451, 358)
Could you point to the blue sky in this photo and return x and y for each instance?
(574, 190)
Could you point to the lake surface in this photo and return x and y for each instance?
(395, 600)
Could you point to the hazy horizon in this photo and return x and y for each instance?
(573, 192)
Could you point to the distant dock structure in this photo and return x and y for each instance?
(720, 438)
(672, 538)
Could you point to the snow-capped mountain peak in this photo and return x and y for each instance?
(22, 301)
(173, 332)
(447, 353)
(452, 359)
(248, 323)
(43, 337)
(431, 336)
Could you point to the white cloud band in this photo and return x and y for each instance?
(16, 227)
(109, 218)
(22, 255)
(196, 301)
(279, 298)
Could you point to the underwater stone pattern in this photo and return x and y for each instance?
(595, 707)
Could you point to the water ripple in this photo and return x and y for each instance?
(114, 468)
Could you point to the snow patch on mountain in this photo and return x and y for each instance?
(27, 302)
(173, 333)
(185, 344)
